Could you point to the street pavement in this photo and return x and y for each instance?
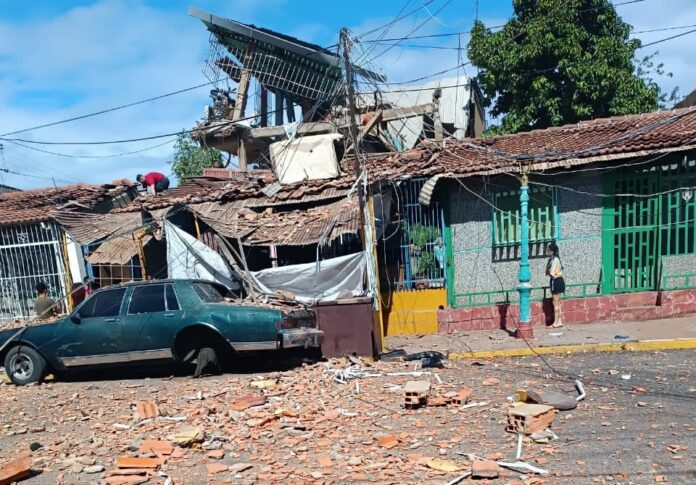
(464, 343)
(636, 425)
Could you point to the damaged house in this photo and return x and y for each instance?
(34, 247)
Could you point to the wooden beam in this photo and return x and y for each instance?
(243, 87)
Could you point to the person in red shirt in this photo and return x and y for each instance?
(154, 181)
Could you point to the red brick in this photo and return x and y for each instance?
(130, 462)
(214, 468)
(388, 442)
(15, 470)
(247, 402)
(484, 469)
(147, 410)
(162, 448)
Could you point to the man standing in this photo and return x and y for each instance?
(154, 182)
(44, 306)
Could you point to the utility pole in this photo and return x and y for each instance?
(353, 126)
(524, 327)
(366, 215)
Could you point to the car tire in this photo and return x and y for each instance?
(24, 365)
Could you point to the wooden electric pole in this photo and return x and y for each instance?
(361, 183)
(366, 214)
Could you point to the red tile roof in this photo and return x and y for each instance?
(582, 143)
(37, 205)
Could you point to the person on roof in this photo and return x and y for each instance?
(154, 182)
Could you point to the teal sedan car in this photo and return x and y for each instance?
(161, 321)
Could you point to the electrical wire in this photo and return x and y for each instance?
(108, 110)
(667, 38)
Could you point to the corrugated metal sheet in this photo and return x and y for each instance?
(118, 250)
(87, 228)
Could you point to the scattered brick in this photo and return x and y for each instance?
(462, 396)
(216, 454)
(388, 442)
(247, 402)
(15, 470)
(529, 418)
(161, 448)
(325, 461)
(130, 462)
(484, 469)
(147, 410)
(416, 393)
(215, 468)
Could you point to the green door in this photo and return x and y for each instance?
(95, 338)
(648, 219)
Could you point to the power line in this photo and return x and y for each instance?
(109, 110)
(131, 140)
(667, 38)
(66, 155)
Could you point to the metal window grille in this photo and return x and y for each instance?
(29, 253)
(422, 250)
(507, 225)
(644, 230)
(298, 76)
(114, 274)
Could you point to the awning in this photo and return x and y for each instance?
(118, 250)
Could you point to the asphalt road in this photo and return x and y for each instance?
(620, 434)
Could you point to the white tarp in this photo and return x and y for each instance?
(189, 258)
(456, 93)
(306, 158)
(327, 280)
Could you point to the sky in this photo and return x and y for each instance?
(61, 59)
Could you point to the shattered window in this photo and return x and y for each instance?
(208, 293)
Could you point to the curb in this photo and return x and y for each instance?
(639, 346)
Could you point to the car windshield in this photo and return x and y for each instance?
(209, 293)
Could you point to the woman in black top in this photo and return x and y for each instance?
(554, 270)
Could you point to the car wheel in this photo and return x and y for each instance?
(24, 365)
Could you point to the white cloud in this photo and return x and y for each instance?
(96, 57)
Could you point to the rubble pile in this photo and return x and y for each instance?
(334, 422)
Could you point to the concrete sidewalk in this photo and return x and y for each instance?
(673, 333)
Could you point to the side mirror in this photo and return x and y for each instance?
(75, 318)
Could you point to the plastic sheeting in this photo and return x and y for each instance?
(189, 258)
(306, 158)
(327, 280)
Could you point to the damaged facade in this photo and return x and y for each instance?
(439, 235)
(34, 247)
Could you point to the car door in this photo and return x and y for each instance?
(92, 335)
(150, 323)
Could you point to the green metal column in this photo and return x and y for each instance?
(524, 327)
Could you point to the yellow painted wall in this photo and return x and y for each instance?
(413, 312)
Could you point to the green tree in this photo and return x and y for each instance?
(561, 61)
(190, 158)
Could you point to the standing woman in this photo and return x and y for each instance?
(554, 270)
